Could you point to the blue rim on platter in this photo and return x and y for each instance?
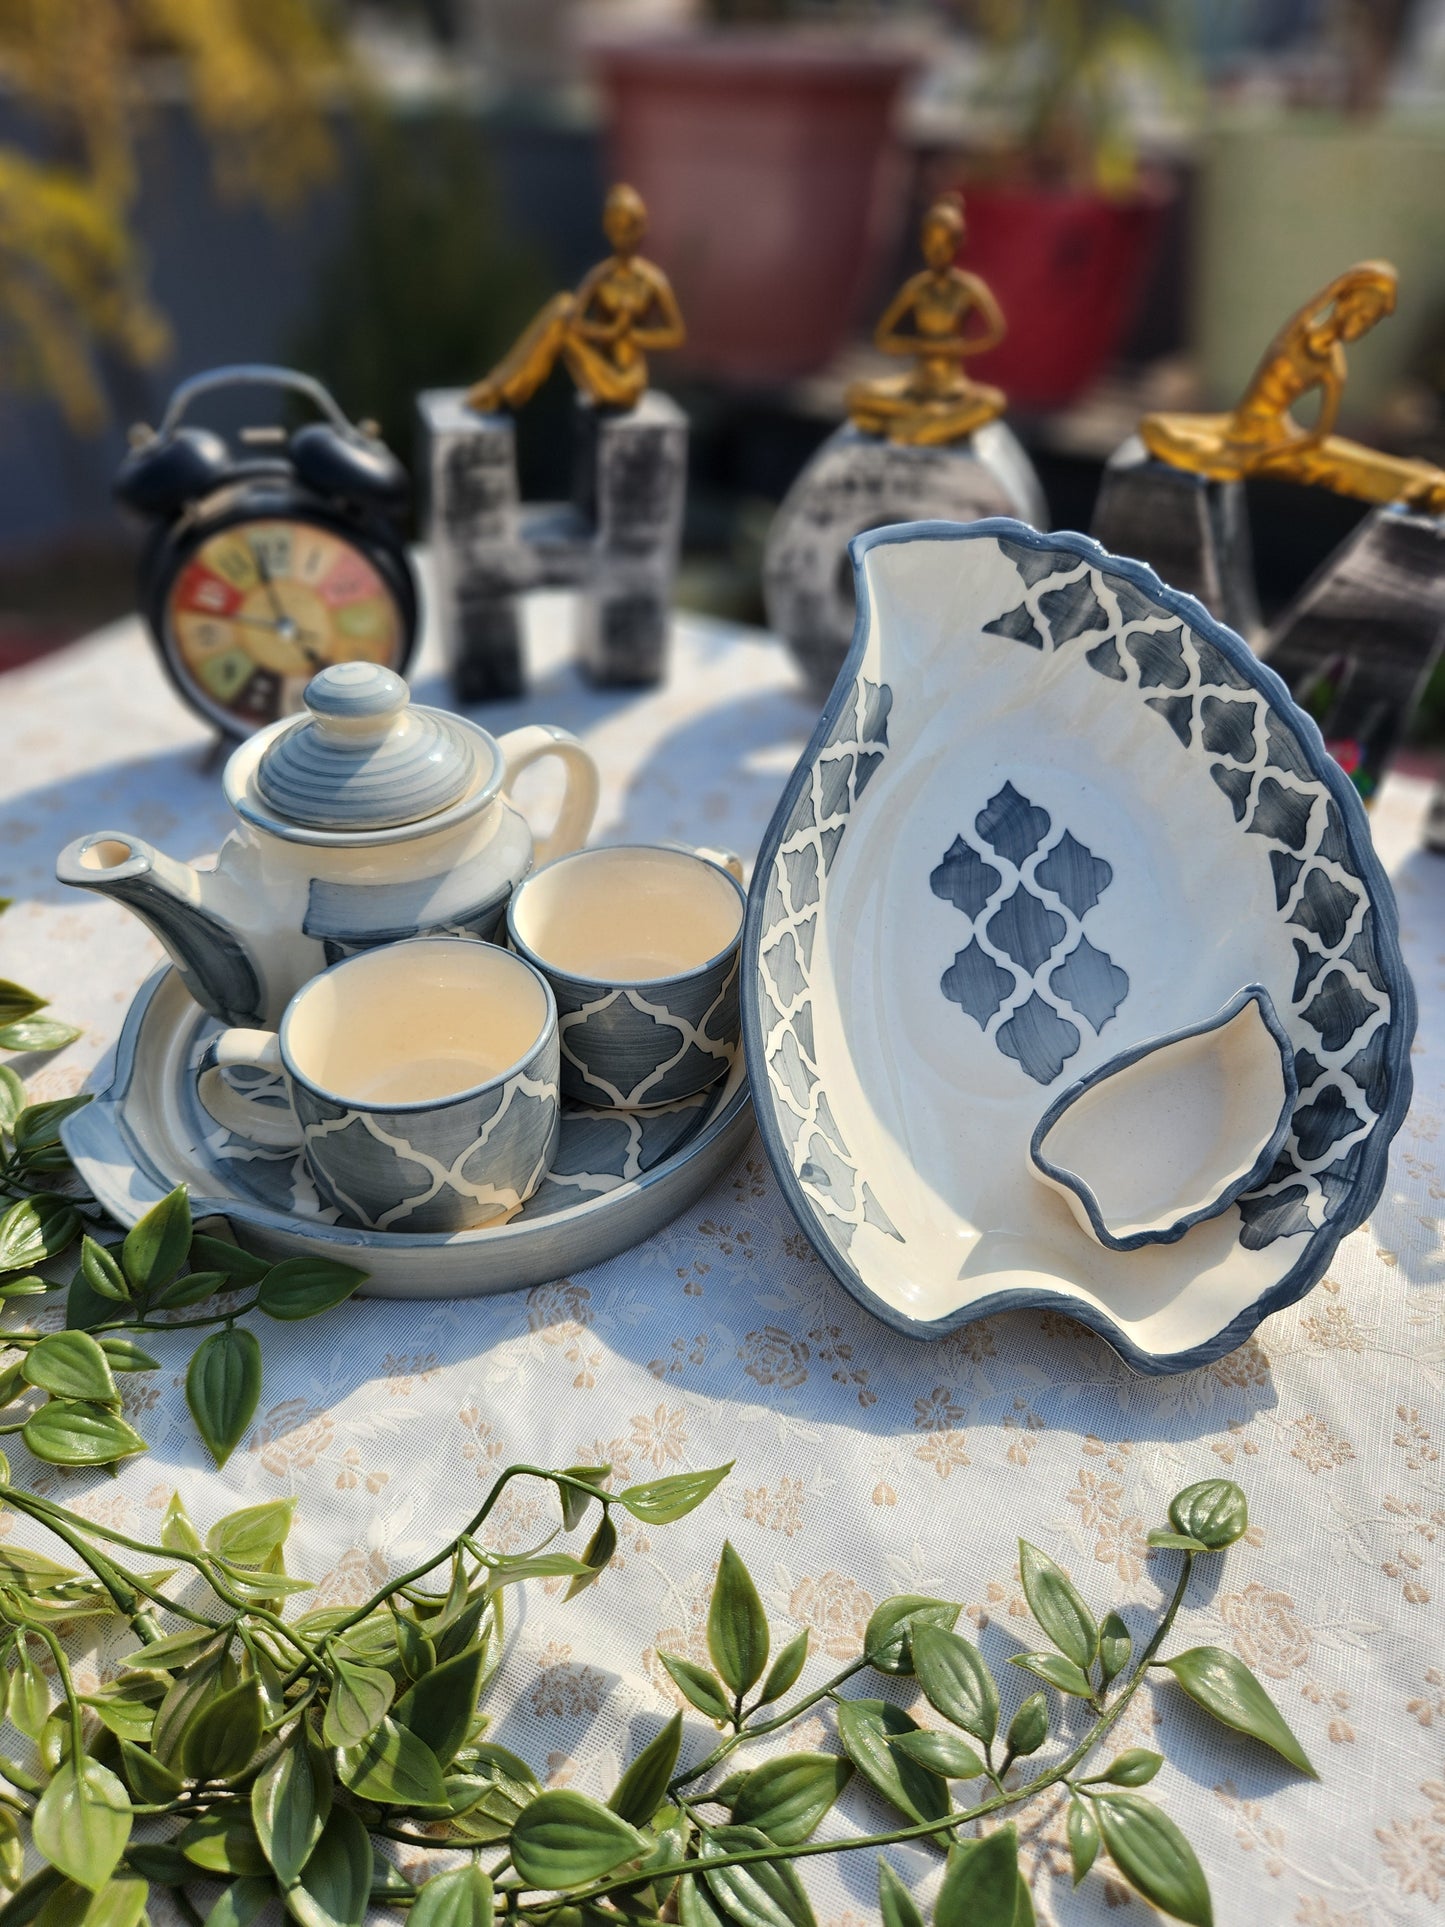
(1308, 1206)
(1147, 1047)
(616, 1179)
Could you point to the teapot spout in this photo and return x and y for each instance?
(169, 897)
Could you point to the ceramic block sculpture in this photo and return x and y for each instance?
(617, 541)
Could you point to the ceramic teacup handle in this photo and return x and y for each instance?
(521, 748)
(249, 1050)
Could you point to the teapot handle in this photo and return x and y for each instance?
(522, 747)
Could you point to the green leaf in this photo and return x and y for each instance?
(761, 1893)
(335, 1885)
(150, 1782)
(28, 1571)
(156, 1245)
(574, 1503)
(27, 1694)
(394, 1768)
(34, 1229)
(246, 1537)
(223, 1388)
(643, 1787)
(303, 1287)
(240, 1903)
(1083, 1832)
(17, 1002)
(1029, 1727)
(1059, 1672)
(895, 1904)
(38, 1033)
(981, 1885)
(942, 1754)
(597, 1557)
(12, 1098)
(440, 1708)
(737, 1626)
(127, 1719)
(290, 1805)
(1136, 1767)
(220, 1255)
(784, 1672)
(102, 1271)
(562, 1839)
(163, 1863)
(1115, 1646)
(787, 1797)
(71, 1365)
(122, 1355)
(888, 1642)
(460, 1898)
(360, 1700)
(222, 1739)
(418, 1654)
(177, 1649)
(67, 1433)
(82, 1822)
(223, 1843)
(510, 1786)
(1175, 1541)
(540, 1565)
(865, 1727)
(698, 1686)
(1214, 1512)
(37, 1128)
(191, 1288)
(185, 1697)
(119, 1903)
(956, 1681)
(695, 1905)
(24, 1287)
(1225, 1687)
(661, 1501)
(1056, 1605)
(1154, 1857)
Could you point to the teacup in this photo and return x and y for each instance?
(421, 1084)
(639, 943)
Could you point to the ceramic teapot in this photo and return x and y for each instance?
(364, 821)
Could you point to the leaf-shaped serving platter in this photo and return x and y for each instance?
(614, 1181)
(1051, 810)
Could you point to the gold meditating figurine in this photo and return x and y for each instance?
(623, 311)
(1261, 436)
(936, 402)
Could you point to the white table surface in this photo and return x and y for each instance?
(867, 1463)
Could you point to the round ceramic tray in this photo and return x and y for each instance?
(1053, 810)
(615, 1181)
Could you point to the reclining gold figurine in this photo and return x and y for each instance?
(1261, 436)
(623, 311)
(936, 402)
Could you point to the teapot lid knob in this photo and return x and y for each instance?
(356, 699)
(364, 758)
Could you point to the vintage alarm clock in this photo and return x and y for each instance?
(272, 559)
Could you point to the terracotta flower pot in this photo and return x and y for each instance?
(772, 183)
(1068, 267)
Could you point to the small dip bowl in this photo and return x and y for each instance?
(1174, 1130)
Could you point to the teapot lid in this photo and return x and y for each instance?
(365, 758)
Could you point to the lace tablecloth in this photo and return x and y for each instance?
(867, 1463)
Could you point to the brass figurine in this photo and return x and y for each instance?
(935, 402)
(1261, 436)
(623, 311)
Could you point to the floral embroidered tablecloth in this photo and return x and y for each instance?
(867, 1463)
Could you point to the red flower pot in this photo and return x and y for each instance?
(1069, 268)
(772, 184)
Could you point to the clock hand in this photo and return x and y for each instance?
(263, 570)
(284, 627)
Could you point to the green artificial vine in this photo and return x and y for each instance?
(240, 1756)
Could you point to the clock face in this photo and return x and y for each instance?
(260, 606)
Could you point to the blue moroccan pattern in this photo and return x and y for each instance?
(1028, 971)
(1257, 761)
(840, 773)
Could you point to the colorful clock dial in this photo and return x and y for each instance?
(261, 606)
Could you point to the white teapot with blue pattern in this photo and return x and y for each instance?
(366, 820)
